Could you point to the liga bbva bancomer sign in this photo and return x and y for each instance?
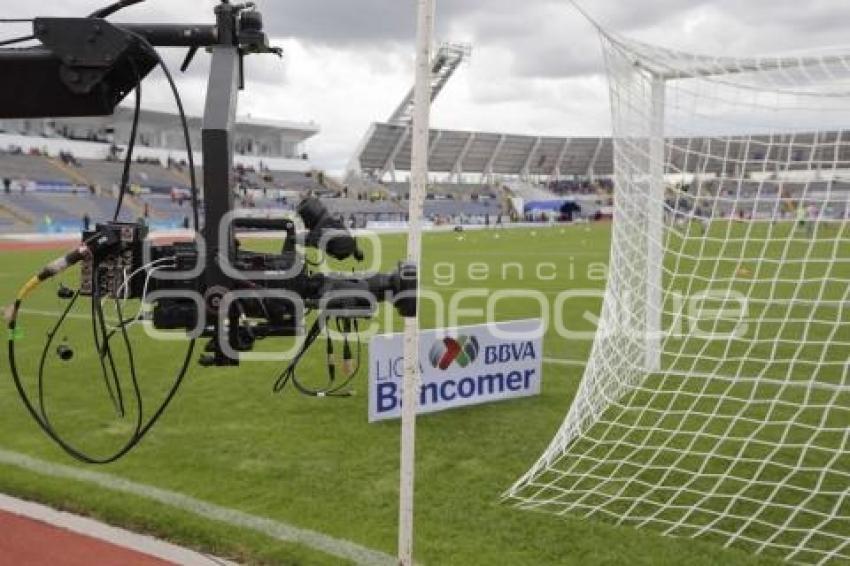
(460, 367)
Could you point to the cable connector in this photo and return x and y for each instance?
(347, 358)
(9, 313)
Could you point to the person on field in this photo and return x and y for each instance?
(801, 216)
(813, 214)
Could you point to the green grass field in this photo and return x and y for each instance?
(741, 438)
(317, 463)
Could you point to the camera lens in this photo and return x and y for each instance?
(312, 212)
(324, 229)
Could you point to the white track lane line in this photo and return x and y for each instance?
(143, 544)
(279, 530)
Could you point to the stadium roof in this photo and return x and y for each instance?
(388, 146)
(299, 131)
(387, 149)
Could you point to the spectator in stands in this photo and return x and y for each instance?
(68, 159)
(114, 152)
(86, 222)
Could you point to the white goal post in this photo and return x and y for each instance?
(716, 400)
(418, 189)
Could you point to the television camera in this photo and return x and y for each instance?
(210, 287)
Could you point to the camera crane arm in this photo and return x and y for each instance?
(86, 67)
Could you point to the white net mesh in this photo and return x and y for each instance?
(716, 401)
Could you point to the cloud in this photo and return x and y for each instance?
(537, 66)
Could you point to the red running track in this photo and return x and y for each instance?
(26, 542)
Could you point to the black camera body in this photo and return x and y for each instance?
(117, 251)
(264, 295)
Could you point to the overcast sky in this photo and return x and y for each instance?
(536, 67)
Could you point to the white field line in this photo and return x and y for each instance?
(73, 316)
(489, 290)
(562, 362)
(279, 530)
(142, 544)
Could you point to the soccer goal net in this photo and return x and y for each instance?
(716, 400)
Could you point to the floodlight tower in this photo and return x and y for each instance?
(443, 65)
(449, 57)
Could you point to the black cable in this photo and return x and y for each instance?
(42, 419)
(15, 40)
(184, 121)
(15, 20)
(131, 145)
(77, 453)
(117, 400)
(113, 8)
(134, 132)
(338, 390)
(289, 375)
(46, 348)
(98, 319)
(104, 352)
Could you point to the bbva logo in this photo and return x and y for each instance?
(463, 350)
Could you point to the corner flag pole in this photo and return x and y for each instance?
(418, 189)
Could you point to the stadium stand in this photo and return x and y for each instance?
(105, 174)
(529, 191)
(765, 199)
(34, 168)
(456, 191)
(52, 190)
(49, 194)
